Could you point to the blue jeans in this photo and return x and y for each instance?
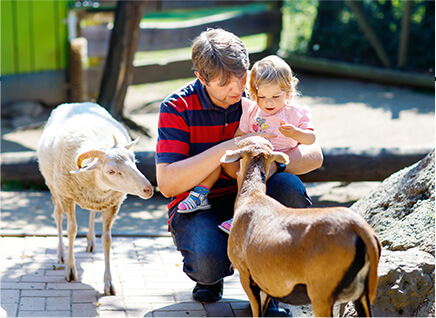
(204, 246)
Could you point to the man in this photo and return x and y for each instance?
(196, 127)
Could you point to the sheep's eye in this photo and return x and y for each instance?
(111, 172)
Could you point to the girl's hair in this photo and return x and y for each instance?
(216, 53)
(272, 70)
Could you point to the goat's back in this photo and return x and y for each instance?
(292, 243)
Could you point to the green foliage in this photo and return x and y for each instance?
(298, 19)
(337, 34)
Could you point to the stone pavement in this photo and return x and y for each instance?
(147, 273)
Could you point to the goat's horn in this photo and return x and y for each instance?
(89, 154)
(115, 140)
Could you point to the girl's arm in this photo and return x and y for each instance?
(303, 136)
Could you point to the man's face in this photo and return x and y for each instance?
(225, 95)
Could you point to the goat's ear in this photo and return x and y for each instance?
(93, 165)
(131, 144)
(231, 156)
(280, 157)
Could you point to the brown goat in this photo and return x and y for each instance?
(297, 256)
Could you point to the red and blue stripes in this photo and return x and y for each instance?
(189, 124)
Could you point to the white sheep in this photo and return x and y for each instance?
(85, 157)
(298, 256)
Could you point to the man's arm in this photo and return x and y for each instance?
(180, 176)
(304, 158)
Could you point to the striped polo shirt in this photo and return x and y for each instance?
(189, 124)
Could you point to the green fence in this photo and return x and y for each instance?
(34, 35)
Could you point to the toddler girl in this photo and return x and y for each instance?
(273, 109)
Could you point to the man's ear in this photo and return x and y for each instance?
(202, 80)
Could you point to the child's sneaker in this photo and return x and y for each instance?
(197, 200)
(225, 226)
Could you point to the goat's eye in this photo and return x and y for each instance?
(111, 172)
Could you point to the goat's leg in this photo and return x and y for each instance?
(106, 238)
(322, 307)
(90, 237)
(70, 210)
(253, 293)
(58, 218)
(264, 301)
(362, 305)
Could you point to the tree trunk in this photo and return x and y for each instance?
(118, 70)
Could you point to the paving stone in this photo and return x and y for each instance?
(44, 313)
(58, 303)
(8, 310)
(32, 303)
(182, 313)
(84, 310)
(45, 293)
(84, 296)
(10, 296)
(8, 285)
(219, 309)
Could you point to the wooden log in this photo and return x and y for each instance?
(340, 164)
(364, 164)
(358, 71)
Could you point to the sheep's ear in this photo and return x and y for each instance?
(280, 157)
(92, 166)
(131, 144)
(231, 156)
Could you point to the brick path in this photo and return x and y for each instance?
(147, 274)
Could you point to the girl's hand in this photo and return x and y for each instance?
(287, 130)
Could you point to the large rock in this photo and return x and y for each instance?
(401, 211)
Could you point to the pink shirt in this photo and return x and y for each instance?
(254, 119)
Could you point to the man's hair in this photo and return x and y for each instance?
(272, 70)
(218, 53)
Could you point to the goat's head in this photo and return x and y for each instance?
(115, 169)
(253, 149)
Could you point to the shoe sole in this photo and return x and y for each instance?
(206, 207)
(222, 228)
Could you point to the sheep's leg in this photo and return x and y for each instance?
(253, 293)
(90, 248)
(58, 218)
(108, 219)
(70, 210)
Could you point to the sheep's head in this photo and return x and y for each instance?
(115, 169)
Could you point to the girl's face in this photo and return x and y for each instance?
(271, 98)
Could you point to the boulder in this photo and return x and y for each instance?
(401, 211)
